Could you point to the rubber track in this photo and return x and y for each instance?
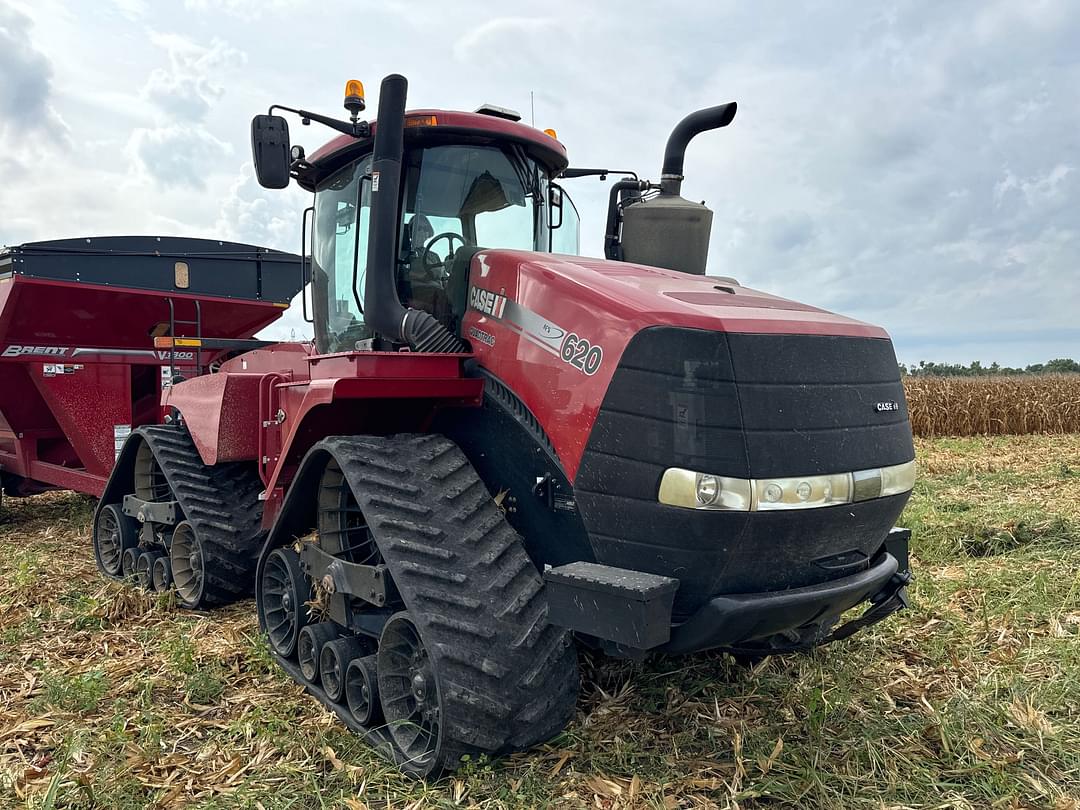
(221, 503)
(509, 678)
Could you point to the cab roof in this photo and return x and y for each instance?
(450, 125)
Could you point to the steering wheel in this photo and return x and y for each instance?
(430, 265)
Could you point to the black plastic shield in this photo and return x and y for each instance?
(270, 150)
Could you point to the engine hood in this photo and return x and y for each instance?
(651, 296)
(554, 329)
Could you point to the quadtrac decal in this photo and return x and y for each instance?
(570, 347)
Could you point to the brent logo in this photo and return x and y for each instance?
(886, 407)
(48, 351)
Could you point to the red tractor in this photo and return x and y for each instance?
(495, 447)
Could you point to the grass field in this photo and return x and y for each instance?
(971, 699)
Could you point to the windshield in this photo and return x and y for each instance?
(482, 195)
(454, 198)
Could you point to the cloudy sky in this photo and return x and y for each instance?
(914, 164)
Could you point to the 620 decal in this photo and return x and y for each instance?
(580, 353)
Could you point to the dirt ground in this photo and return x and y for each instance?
(970, 699)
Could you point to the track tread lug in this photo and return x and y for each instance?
(509, 679)
(221, 503)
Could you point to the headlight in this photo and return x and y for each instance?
(801, 493)
(895, 480)
(702, 491)
(695, 490)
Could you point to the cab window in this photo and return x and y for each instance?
(565, 224)
(342, 210)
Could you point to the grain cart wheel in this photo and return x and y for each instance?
(144, 569)
(362, 690)
(114, 533)
(491, 675)
(284, 592)
(162, 574)
(309, 647)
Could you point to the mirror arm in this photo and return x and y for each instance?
(359, 129)
(572, 173)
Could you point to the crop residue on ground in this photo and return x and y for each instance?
(971, 699)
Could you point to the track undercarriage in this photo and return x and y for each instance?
(392, 586)
(173, 523)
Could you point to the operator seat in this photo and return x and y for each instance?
(421, 287)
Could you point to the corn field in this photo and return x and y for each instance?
(970, 406)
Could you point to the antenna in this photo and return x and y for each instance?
(532, 108)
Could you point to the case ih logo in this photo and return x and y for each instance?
(487, 302)
(48, 351)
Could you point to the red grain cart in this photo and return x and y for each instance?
(78, 320)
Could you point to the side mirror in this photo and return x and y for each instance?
(270, 150)
(555, 203)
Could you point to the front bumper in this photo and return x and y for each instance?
(738, 620)
(630, 612)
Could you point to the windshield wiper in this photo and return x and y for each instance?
(521, 163)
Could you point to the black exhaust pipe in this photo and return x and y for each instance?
(671, 175)
(383, 311)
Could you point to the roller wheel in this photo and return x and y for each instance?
(309, 647)
(188, 565)
(144, 569)
(343, 530)
(410, 691)
(162, 574)
(129, 562)
(114, 533)
(362, 690)
(334, 661)
(150, 481)
(284, 592)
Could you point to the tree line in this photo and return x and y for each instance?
(1061, 365)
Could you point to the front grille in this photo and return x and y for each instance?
(746, 406)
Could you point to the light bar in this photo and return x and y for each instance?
(421, 121)
(696, 490)
(166, 342)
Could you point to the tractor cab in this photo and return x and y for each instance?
(468, 181)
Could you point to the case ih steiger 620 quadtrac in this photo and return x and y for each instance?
(493, 448)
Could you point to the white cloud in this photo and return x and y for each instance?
(191, 85)
(499, 33)
(25, 81)
(181, 151)
(243, 9)
(913, 166)
(252, 214)
(177, 154)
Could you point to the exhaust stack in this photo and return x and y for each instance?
(667, 230)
